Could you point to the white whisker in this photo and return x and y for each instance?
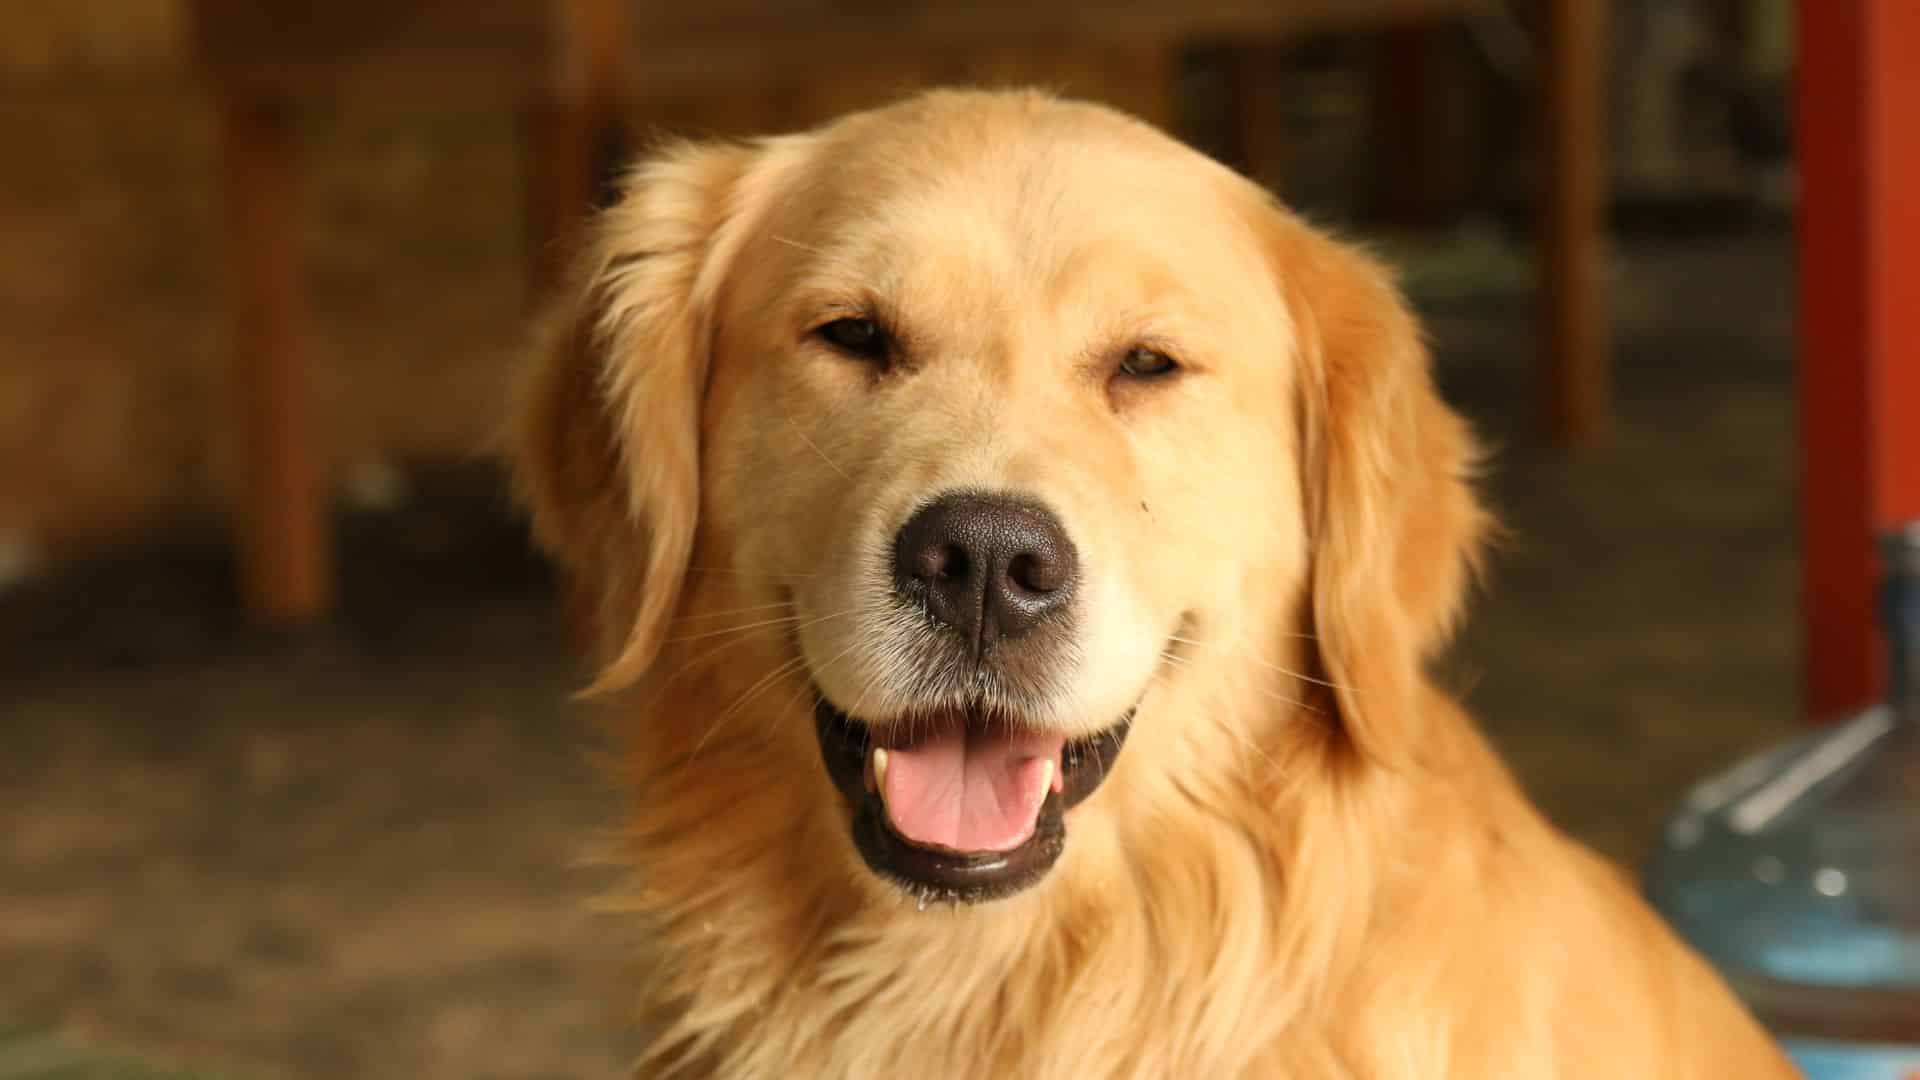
(1275, 695)
(1240, 649)
(704, 658)
(733, 611)
(759, 687)
(811, 445)
(741, 629)
(866, 687)
(795, 244)
(810, 684)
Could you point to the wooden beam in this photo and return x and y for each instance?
(282, 525)
(502, 51)
(1572, 252)
(1859, 369)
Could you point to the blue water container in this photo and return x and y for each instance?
(1797, 872)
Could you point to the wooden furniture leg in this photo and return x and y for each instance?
(557, 141)
(1571, 252)
(1859, 303)
(559, 183)
(1143, 79)
(1257, 104)
(285, 553)
(1406, 140)
(569, 149)
(570, 138)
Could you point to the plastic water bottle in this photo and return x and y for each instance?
(1797, 873)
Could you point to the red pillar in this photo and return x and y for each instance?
(1857, 118)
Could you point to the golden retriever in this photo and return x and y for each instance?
(1018, 543)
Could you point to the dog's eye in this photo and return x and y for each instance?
(1144, 363)
(860, 337)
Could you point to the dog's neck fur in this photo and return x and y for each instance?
(1195, 905)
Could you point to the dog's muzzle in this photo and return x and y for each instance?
(969, 806)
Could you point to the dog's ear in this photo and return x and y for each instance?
(1395, 532)
(605, 445)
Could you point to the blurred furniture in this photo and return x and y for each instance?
(1570, 208)
(1856, 91)
(567, 66)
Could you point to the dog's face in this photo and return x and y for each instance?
(1000, 411)
(1003, 411)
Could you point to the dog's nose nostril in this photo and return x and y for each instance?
(989, 567)
(1037, 572)
(939, 562)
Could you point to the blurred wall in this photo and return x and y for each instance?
(113, 341)
(113, 344)
(112, 358)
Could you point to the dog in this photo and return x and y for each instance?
(1018, 544)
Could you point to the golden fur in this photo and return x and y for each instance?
(1306, 863)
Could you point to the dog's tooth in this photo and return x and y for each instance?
(877, 772)
(1053, 777)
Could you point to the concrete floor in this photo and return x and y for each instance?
(368, 856)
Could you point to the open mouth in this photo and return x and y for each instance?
(961, 806)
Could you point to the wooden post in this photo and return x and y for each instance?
(556, 150)
(569, 146)
(1409, 146)
(285, 556)
(1572, 252)
(1142, 78)
(574, 138)
(568, 135)
(1257, 106)
(1859, 367)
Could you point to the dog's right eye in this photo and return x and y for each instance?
(859, 337)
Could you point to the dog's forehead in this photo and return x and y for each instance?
(1042, 207)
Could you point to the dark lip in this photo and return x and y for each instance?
(932, 875)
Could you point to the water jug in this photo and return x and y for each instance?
(1797, 872)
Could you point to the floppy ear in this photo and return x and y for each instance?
(606, 431)
(1395, 532)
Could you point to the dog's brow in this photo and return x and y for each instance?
(626, 260)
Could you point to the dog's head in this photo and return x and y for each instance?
(1029, 434)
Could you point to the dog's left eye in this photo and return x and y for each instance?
(1144, 363)
(861, 337)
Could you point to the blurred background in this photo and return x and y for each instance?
(289, 779)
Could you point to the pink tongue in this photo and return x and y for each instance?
(970, 791)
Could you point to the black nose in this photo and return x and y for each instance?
(988, 566)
